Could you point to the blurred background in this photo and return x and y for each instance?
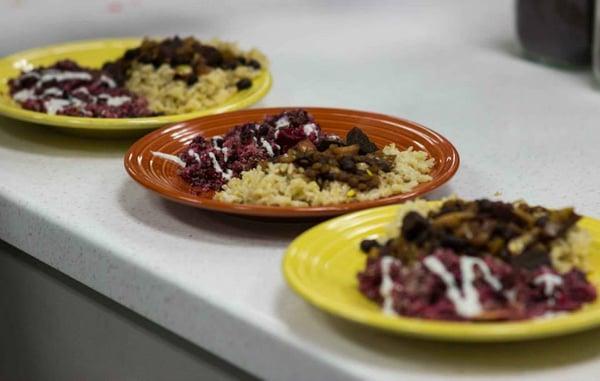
(457, 67)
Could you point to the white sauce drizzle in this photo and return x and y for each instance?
(81, 90)
(550, 282)
(23, 95)
(76, 102)
(387, 285)
(172, 158)
(23, 65)
(267, 147)
(53, 91)
(55, 105)
(109, 81)
(225, 152)
(511, 295)
(215, 142)
(552, 314)
(194, 154)
(115, 101)
(59, 76)
(217, 167)
(309, 128)
(467, 302)
(282, 122)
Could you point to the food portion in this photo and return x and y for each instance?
(479, 260)
(211, 163)
(183, 75)
(330, 181)
(66, 88)
(287, 160)
(171, 76)
(329, 170)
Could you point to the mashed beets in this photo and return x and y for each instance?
(502, 291)
(210, 163)
(66, 88)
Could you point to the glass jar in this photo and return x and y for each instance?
(558, 32)
(596, 46)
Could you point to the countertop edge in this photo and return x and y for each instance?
(20, 226)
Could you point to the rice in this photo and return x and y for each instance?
(571, 251)
(281, 184)
(169, 96)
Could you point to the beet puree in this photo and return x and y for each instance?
(417, 291)
(66, 88)
(211, 163)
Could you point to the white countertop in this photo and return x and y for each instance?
(524, 130)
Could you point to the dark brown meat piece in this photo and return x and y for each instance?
(174, 52)
(340, 163)
(357, 136)
(532, 258)
(328, 141)
(243, 84)
(368, 244)
(517, 233)
(414, 225)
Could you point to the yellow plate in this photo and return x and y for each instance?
(93, 54)
(321, 266)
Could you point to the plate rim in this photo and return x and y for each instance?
(437, 330)
(131, 166)
(116, 124)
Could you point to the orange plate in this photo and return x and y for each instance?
(161, 175)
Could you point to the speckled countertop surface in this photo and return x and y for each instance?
(523, 130)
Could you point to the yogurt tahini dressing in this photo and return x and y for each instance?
(466, 297)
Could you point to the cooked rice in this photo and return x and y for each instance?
(571, 251)
(285, 184)
(169, 96)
